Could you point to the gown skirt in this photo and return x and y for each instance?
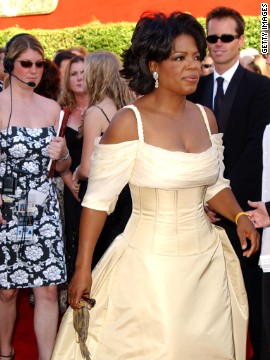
(170, 286)
(166, 288)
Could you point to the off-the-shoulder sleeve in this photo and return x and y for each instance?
(221, 182)
(110, 169)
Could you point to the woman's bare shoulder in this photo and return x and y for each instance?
(210, 117)
(4, 109)
(123, 127)
(211, 120)
(94, 115)
(47, 102)
(4, 97)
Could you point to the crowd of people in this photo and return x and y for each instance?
(140, 186)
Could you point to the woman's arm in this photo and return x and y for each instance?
(2, 221)
(91, 224)
(222, 201)
(59, 153)
(93, 124)
(225, 204)
(58, 148)
(67, 178)
(123, 128)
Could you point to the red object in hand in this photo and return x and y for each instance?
(62, 132)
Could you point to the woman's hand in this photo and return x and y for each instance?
(211, 214)
(91, 224)
(246, 229)
(57, 148)
(259, 216)
(75, 181)
(75, 194)
(2, 221)
(79, 286)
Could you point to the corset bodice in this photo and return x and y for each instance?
(173, 221)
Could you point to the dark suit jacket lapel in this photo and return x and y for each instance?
(229, 97)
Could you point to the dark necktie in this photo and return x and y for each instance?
(219, 96)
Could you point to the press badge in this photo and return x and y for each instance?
(25, 227)
(25, 212)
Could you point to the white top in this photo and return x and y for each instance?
(265, 251)
(227, 76)
(144, 165)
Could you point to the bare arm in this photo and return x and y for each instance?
(2, 221)
(67, 178)
(91, 224)
(58, 151)
(225, 204)
(93, 127)
(58, 148)
(92, 220)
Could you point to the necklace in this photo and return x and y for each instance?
(82, 110)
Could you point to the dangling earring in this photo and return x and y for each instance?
(155, 76)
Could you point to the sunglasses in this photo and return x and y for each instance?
(225, 38)
(29, 64)
(207, 66)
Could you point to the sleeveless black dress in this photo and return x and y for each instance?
(72, 207)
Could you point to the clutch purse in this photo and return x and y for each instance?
(81, 317)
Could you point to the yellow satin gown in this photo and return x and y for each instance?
(170, 287)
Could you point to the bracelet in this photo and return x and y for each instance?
(240, 214)
(64, 158)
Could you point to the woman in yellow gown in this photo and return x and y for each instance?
(170, 287)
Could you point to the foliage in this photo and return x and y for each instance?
(112, 36)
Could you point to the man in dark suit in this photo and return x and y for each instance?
(241, 102)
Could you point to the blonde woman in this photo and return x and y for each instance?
(109, 93)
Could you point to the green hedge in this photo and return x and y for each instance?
(112, 36)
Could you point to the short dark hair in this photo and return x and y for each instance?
(222, 12)
(62, 55)
(153, 39)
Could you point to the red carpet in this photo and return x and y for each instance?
(24, 337)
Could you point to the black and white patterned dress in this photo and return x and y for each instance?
(38, 261)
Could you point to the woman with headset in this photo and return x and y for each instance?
(31, 246)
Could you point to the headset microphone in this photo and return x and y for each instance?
(30, 83)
